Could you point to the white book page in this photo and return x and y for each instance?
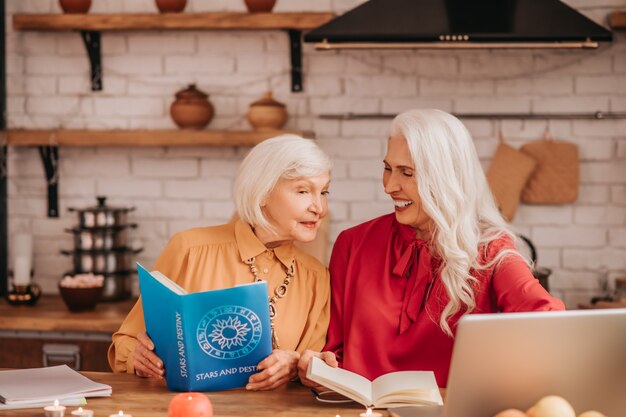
(68, 402)
(407, 387)
(47, 384)
(344, 382)
(174, 287)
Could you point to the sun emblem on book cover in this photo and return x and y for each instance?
(229, 332)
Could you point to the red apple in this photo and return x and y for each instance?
(190, 404)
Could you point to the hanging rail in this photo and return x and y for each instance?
(599, 115)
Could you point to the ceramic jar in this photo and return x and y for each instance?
(192, 108)
(171, 6)
(267, 113)
(75, 6)
(260, 6)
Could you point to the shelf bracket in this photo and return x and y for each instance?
(50, 159)
(295, 46)
(92, 44)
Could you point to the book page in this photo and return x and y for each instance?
(347, 383)
(404, 388)
(167, 282)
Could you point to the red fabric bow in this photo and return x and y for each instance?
(416, 266)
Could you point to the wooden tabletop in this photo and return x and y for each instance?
(51, 314)
(150, 398)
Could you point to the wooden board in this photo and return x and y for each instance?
(132, 138)
(170, 21)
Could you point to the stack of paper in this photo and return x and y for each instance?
(38, 387)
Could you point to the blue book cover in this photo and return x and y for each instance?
(208, 341)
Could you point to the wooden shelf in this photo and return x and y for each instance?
(91, 26)
(170, 21)
(133, 138)
(617, 20)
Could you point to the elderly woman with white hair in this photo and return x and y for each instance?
(401, 282)
(280, 194)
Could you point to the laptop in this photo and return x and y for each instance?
(511, 360)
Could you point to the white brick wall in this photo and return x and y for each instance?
(175, 188)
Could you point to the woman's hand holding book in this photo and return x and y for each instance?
(147, 364)
(275, 370)
(303, 365)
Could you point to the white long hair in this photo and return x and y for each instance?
(455, 195)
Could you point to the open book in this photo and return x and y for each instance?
(36, 387)
(210, 340)
(397, 389)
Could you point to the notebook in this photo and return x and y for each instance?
(511, 360)
(30, 388)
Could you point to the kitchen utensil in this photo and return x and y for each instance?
(507, 175)
(103, 261)
(117, 286)
(171, 6)
(102, 215)
(192, 108)
(104, 238)
(80, 298)
(555, 181)
(541, 273)
(260, 6)
(75, 6)
(267, 114)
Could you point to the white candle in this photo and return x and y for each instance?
(21, 270)
(55, 410)
(22, 245)
(82, 413)
(370, 413)
(120, 414)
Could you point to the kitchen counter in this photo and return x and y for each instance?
(51, 314)
(603, 304)
(48, 333)
(147, 397)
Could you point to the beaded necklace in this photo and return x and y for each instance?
(279, 292)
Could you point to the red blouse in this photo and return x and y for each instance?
(386, 301)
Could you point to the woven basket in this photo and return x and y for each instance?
(507, 175)
(555, 181)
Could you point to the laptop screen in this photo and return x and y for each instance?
(512, 360)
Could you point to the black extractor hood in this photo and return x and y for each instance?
(440, 24)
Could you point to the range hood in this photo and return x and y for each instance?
(468, 24)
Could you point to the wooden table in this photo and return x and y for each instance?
(150, 398)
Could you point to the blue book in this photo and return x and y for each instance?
(208, 341)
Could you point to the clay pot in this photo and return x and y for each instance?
(171, 6)
(260, 6)
(192, 108)
(75, 6)
(267, 114)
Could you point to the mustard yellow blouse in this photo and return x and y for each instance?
(212, 258)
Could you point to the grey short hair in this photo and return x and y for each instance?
(284, 156)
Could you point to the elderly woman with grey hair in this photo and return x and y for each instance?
(281, 193)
